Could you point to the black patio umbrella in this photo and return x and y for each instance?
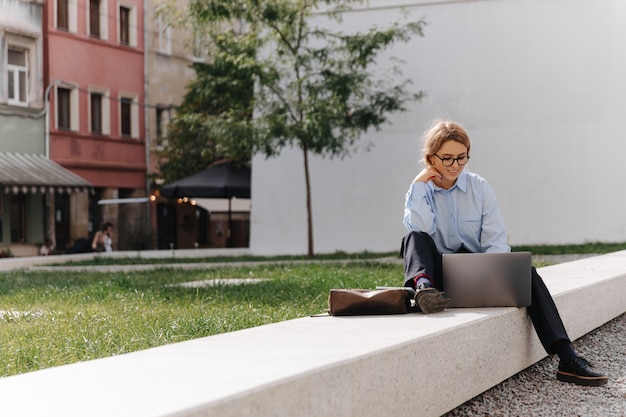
(223, 180)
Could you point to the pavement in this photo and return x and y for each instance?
(549, 259)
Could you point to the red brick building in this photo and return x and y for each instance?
(95, 73)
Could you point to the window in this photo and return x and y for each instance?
(19, 78)
(67, 108)
(63, 14)
(66, 18)
(127, 21)
(163, 34)
(99, 114)
(126, 116)
(64, 108)
(17, 71)
(162, 121)
(199, 48)
(124, 25)
(94, 18)
(97, 19)
(96, 113)
(129, 117)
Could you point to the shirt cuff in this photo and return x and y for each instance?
(417, 191)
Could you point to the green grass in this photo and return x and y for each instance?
(105, 260)
(592, 247)
(80, 316)
(70, 317)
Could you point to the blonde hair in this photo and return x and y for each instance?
(440, 132)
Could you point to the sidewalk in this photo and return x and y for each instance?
(37, 266)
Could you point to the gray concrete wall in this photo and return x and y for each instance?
(539, 88)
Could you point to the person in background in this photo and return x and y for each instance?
(102, 240)
(80, 245)
(449, 209)
(46, 248)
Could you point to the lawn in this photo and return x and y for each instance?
(53, 318)
(50, 319)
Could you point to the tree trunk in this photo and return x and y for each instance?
(309, 210)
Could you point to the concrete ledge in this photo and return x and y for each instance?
(326, 366)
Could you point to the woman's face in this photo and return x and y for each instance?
(449, 149)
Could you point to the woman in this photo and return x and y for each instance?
(102, 241)
(449, 209)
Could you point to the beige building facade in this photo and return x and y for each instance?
(169, 58)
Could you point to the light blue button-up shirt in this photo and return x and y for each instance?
(466, 214)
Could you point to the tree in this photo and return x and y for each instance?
(201, 133)
(314, 87)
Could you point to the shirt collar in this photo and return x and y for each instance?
(461, 183)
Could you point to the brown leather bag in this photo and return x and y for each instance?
(351, 302)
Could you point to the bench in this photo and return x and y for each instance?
(326, 366)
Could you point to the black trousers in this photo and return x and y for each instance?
(421, 258)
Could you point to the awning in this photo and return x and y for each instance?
(34, 173)
(222, 180)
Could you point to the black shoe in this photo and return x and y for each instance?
(430, 300)
(577, 372)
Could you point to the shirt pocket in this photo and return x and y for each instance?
(470, 228)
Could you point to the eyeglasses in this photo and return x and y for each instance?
(448, 162)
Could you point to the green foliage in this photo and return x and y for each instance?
(212, 122)
(314, 86)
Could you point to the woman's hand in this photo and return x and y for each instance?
(429, 174)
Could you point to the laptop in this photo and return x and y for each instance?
(487, 279)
